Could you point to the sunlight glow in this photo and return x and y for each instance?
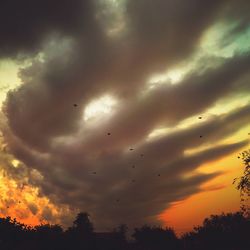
(172, 76)
(15, 163)
(99, 108)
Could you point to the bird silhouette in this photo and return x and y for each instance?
(108, 133)
(131, 149)
(200, 117)
(75, 105)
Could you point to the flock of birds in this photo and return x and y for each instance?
(133, 166)
(131, 149)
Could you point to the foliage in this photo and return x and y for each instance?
(83, 224)
(155, 238)
(225, 231)
(243, 183)
(218, 232)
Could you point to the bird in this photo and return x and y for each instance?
(108, 133)
(131, 149)
(159, 175)
(200, 117)
(75, 105)
(200, 136)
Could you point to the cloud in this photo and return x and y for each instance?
(26, 25)
(33, 208)
(117, 191)
(74, 162)
(47, 214)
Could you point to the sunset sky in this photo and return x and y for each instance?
(132, 110)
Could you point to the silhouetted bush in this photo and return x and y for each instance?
(155, 238)
(218, 232)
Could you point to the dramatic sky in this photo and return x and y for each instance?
(132, 110)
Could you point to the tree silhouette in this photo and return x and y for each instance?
(243, 183)
(48, 236)
(155, 238)
(81, 233)
(11, 233)
(83, 224)
(218, 232)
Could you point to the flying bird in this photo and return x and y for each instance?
(75, 105)
(131, 149)
(108, 133)
(200, 117)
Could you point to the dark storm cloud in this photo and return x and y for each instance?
(192, 96)
(167, 30)
(102, 64)
(164, 155)
(26, 24)
(81, 60)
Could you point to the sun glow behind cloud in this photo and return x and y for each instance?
(101, 107)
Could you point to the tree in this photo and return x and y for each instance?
(155, 238)
(12, 233)
(83, 224)
(80, 235)
(121, 230)
(48, 236)
(226, 231)
(243, 183)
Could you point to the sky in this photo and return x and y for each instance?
(133, 110)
